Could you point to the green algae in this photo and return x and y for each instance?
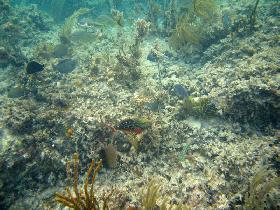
(199, 107)
(258, 196)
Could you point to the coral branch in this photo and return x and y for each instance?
(83, 199)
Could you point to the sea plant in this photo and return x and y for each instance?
(252, 19)
(59, 9)
(184, 152)
(56, 8)
(205, 9)
(258, 196)
(128, 59)
(71, 21)
(84, 198)
(192, 26)
(186, 32)
(169, 17)
(4, 7)
(150, 196)
(110, 156)
(199, 107)
(154, 10)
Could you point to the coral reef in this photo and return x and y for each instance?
(178, 125)
(84, 199)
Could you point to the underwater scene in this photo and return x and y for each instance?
(139, 104)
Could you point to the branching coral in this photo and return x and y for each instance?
(118, 17)
(83, 199)
(131, 60)
(142, 28)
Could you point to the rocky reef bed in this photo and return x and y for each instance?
(205, 127)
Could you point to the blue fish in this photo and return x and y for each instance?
(180, 91)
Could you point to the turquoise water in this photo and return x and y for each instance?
(144, 104)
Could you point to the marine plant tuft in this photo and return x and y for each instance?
(84, 198)
(258, 195)
(192, 26)
(199, 107)
(70, 22)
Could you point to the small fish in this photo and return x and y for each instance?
(82, 36)
(34, 67)
(226, 20)
(60, 50)
(128, 124)
(65, 66)
(133, 125)
(152, 57)
(180, 91)
(16, 92)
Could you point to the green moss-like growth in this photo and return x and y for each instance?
(258, 195)
(252, 20)
(154, 10)
(199, 107)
